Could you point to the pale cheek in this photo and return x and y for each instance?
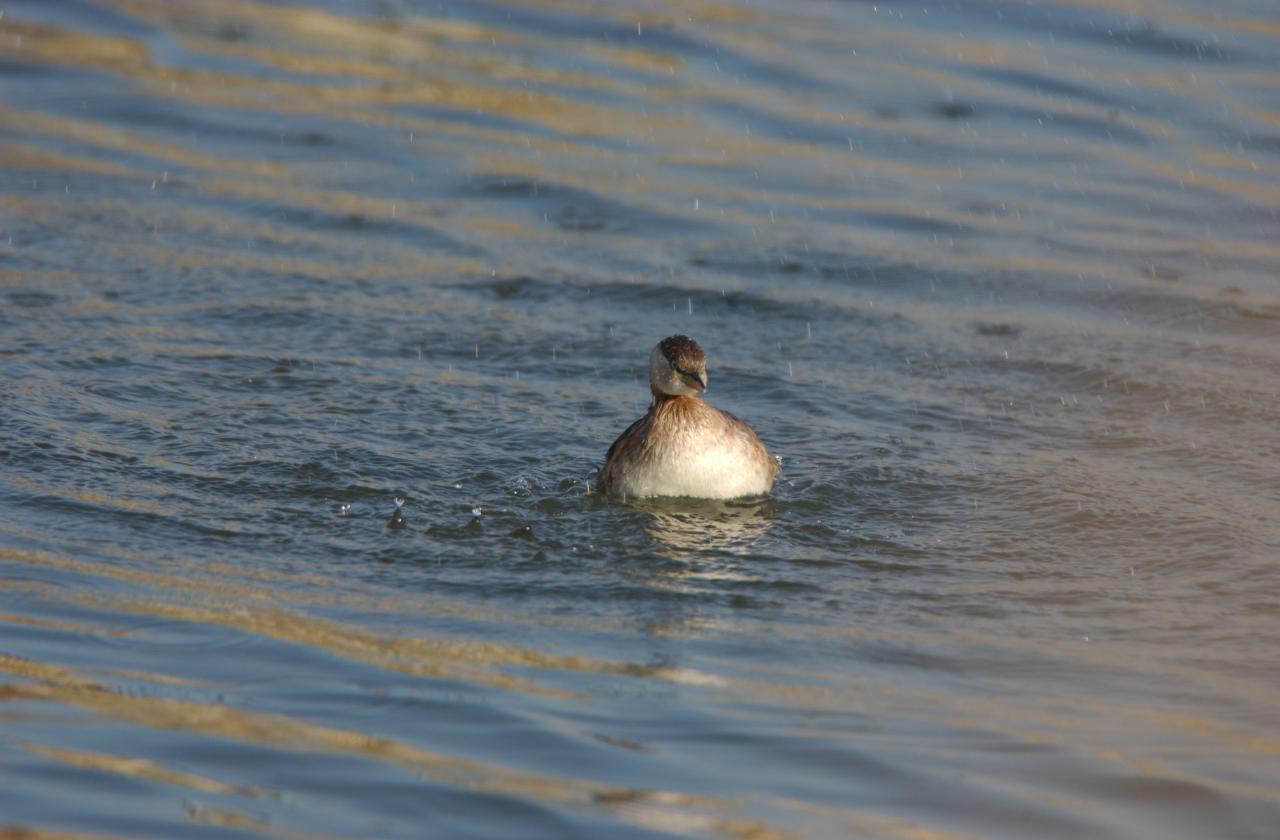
(677, 386)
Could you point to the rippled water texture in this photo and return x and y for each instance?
(998, 281)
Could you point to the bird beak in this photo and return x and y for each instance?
(694, 381)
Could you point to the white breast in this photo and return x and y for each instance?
(707, 463)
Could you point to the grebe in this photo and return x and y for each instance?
(682, 446)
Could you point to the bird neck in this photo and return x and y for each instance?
(661, 398)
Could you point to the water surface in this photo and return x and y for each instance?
(998, 282)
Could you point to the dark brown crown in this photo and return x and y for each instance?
(683, 353)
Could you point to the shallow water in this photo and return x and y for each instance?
(997, 282)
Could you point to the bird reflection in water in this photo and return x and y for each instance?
(705, 543)
(689, 525)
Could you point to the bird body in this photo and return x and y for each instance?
(682, 446)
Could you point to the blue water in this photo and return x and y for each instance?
(998, 282)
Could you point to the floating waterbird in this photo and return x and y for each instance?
(397, 519)
(683, 446)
